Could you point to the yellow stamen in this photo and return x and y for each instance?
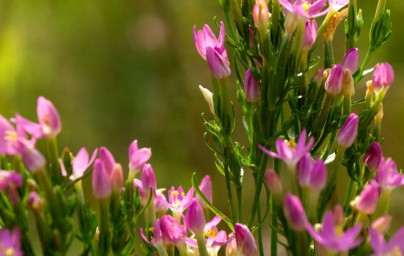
(174, 193)
(211, 232)
(10, 135)
(306, 6)
(9, 252)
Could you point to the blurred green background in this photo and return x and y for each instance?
(127, 69)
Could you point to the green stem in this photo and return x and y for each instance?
(53, 159)
(103, 242)
(348, 195)
(274, 229)
(359, 74)
(200, 238)
(260, 244)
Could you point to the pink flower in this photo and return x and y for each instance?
(383, 76)
(333, 84)
(251, 87)
(348, 132)
(10, 180)
(9, 137)
(49, 121)
(305, 8)
(373, 156)
(80, 163)
(10, 242)
(287, 152)
(388, 176)
(195, 217)
(310, 34)
(172, 231)
(367, 201)
(138, 156)
(33, 159)
(294, 212)
(101, 181)
(206, 188)
(351, 60)
(311, 175)
(245, 240)
(178, 201)
(261, 15)
(157, 237)
(381, 247)
(333, 237)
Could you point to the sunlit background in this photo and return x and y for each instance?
(123, 70)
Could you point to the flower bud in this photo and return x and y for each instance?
(373, 156)
(261, 15)
(273, 182)
(348, 84)
(338, 215)
(383, 76)
(33, 159)
(117, 179)
(35, 202)
(333, 84)
(310, 34)
(303, 170)
(231, 248)
(318, 176)
(171, 230)
(251, 87)
(100, 181)
(218, 62)
(351, 60)
(366, 202)
(382, 224)
(294, 212)
(348, 132)
(138, 156)
(48, 117)
(107, 159)
(290, 23)
(148, 178)
(206, 188)
(195, 217)
(205, 38)
(208, 97)
(244, 240)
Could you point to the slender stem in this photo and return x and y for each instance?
(239, 204)
(53, 159)
(260, 244)
(103, 242)
(359, 74)
(348, 195)
(274, 229)
(200, 238)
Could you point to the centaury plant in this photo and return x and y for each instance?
(306, 133)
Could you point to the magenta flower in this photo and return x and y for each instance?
(333, 237)
(9, 137)
(100, 181)
(206, 188)
(381, 247)
(273, 182)
(348, 132)
(157, 237)
(383, 76)
(138, 156)
(212, 50)
(10, 180)
(382, 224)
(388, 176)
(333, 84)
(245, 240)
(373, 156)
(311, 175)
(172, 231)
(178, 201)
(289, 153)
(195, 218)
(148, 179)
(80, 163)
(251, 87)
(116, 178)
(295, 213)
(10, 244)
(351, 60)
(306, 8)
(310, 34)
(367, 201)
(107, 159)
(33, 159)
(49, 121)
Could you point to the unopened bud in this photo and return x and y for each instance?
(290, 23)
(261, 15)
(274, 183)
(117, 179)
(333, 84)
(348, 84)
(309, 35)
(383, 76)
(35, 202)
(373, 156)
(208, 97)
(379, 115)
(294, 212)
(251, 87)
(366, 202)
(382, 224)
(348, 132)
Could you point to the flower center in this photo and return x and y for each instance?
(9, 252)
(339, 231)
(306, 5)
(10, 135)
(211, 232)
(396, 251)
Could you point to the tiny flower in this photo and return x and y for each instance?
(367, 201)
(35, 202)
(288, 152)
(117, 178)
(205, 38)
(33, 159)
(195, 217)
(351, 60)
(273, 182)
(251, 87)
(387, 176)
(373, 156)
(138, 156)
(383, 76)
(11, 180)
(381, 247)
(349, 131)
(107, 159)
(9, 137)
(318, 176)
(206, 188)
(333, 237)
(10, 244)
(80, 163)
(310, 34)
(49, 121)
(382, 224)
(100, 181)
(157, 235)
(172, 231)
(294, 212)
(261, 15)
(148, 178)
(306, 8)
(333, 84)
(178, 201)
(208, 97)
(218, 62)
(244, 240)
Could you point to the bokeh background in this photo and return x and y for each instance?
(127, 69)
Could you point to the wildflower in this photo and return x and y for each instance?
(148, 178)
(244, 240)
(313, 176)
(273, 182)
(195, 217)
(294, 212)
(100, 181)
(107, 159)
(49, 121)
(383, 76)
(310, 34)
(351, 60)
(116, 178)
(289, 153)
(393, 247)
(333, 84)
(33, 160)
(251, 87)
(382, 224)
(9, 137)
(367, 201)
(172, 231)
(261, 15)
(138, 156)
(157, 237)
(388, 176)
(80, 163)
(348, 131)
(178, 201)
(206, 188)
(373, 156)
(218, 62)
(35, 202)
(305, 8)
(10, 180)
(10, 242)
(333, 237)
